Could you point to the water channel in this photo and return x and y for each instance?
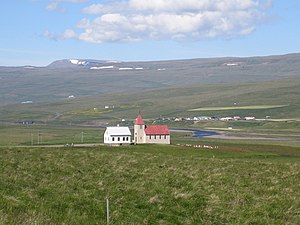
(198, 133)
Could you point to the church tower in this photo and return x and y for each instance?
(139, 130)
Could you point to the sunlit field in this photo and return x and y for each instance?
(238, 107)
(150, 184)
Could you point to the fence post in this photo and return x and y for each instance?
(107, 211)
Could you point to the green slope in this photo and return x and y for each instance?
(168, 102)
(51, 84)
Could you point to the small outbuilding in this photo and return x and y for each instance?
(117, 135)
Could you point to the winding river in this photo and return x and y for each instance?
(198, 133)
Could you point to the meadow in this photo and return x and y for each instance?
(149, 184)
(238, 107)
(276, 100)
(32, 135)
(279, 133)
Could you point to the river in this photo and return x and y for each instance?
(197, 133)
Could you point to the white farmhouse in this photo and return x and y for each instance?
(117, 135)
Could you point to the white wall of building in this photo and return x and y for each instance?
(117, 135)
(139, 134)
(158, 139)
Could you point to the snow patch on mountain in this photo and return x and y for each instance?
(101, 67)
(113, 61)
(126, 68)
(78, 62)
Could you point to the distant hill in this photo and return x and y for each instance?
(88, 77)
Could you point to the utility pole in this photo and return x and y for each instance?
(82, 137)
(39, 137)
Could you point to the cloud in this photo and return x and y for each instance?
(67, 34)
(100, 8)
(54, 5)
(50, 35)
(133, 20)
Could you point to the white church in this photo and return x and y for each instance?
(117, 135)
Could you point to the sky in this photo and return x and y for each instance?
(37, 32)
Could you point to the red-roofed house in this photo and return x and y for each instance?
(152, 134)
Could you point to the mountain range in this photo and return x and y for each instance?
(72, 78)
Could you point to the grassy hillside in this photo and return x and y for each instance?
(148, 185)
(168, 102)
(45, 84)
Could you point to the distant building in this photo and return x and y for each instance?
(249, 118)
(178, 119)
(151, 134)
(226, 118)
(27, 122)
(117, 135)
(27, 102)
(204, 118)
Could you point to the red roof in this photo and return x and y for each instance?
(157, 130)
(139, 120)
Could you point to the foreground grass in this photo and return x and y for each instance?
(147, 185)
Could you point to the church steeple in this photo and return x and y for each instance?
(139, 120)
(139, 130)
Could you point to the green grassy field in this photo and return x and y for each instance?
(276, 100)
(27, 135)
(238, 108)
(263, 127)
(35, 135)
(149, 185)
